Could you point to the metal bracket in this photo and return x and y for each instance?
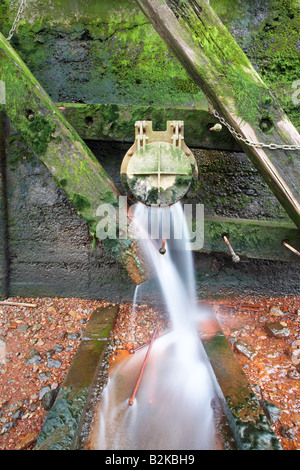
(141, 134)
(177, 136)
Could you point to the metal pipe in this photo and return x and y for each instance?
(131, 399)
(162, 250)
(291, 248)
(235, 257)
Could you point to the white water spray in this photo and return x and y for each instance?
(172, 409)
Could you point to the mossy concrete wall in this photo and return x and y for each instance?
(51, 249)
(101, 51)
(106, 52)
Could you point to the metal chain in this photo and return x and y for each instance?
(249, 142)
(17, 19)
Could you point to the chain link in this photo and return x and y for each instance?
(249, 142)
(17, 19)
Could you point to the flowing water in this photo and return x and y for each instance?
(173, 405)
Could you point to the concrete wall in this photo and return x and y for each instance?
(51, 251)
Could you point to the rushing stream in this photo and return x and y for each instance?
(173, 405)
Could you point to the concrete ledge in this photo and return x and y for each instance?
(63, 419)
(249, 425)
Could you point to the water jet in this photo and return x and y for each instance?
(189, 391)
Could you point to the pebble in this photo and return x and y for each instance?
(245, 349)
(48, 399)
(54, 363)
(34, 357)
(275, 311)
(272, 411)
(73, 336)
(44, 376)
(43, 391)
(22, 328)
(277, 330)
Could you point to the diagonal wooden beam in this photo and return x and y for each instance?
(211, 56)
(63, 152)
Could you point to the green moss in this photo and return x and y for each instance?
(4, 6)
(39, 133)
(80, 202)
(63, 182)
(182, 180)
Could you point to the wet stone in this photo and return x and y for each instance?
(294, 373)
(275, 311)
(33, 357)
(272, 411)
(22, 328)
(58, 348)
(245, 349)
(287, 432)
(54, 363)
(73, 336)
(61, 336)
(49, 353)
(43, 391)
(49, 399)
(277, 330)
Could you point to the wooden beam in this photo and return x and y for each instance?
(256, 239)
(64, 153)
(115, 122)
(211, 56)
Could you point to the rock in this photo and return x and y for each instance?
(74, 314)
(296, 357)
(245, 349)
(294, 373)
(44, 376)
(49, 399)
(18, 413)
(36, 327)
(43, 391)
(271, 411)
(61, 336)
(8, 426)
(33, 357)
(22, 328)
(275, 311)
(58, 348)
(277, 330)
(49, 353)
(54, 363)
(287, 432)
(51, 310)
(73, 336)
